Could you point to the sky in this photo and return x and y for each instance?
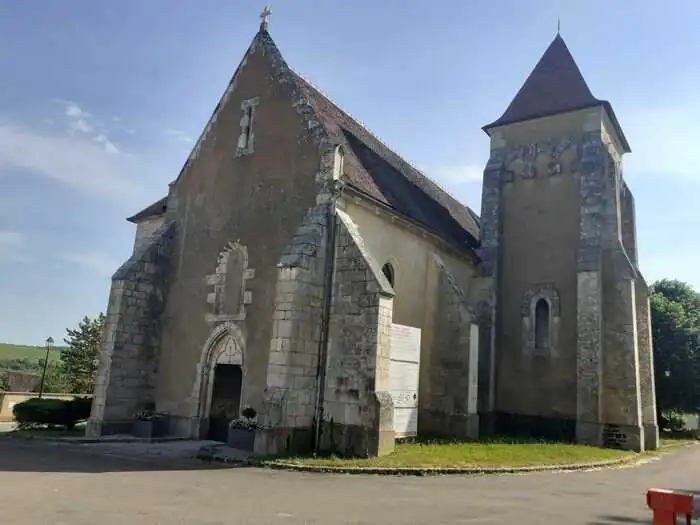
(101, 102)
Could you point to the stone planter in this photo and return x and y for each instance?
(241, 439)
(149, 429)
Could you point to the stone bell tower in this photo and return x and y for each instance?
(570, 337)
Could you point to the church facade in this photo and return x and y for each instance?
(294, 242)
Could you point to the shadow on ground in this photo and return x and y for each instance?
(619, 520)
(18, 455)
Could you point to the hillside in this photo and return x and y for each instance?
(10, 352)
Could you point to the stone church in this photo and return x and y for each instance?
(294, 242)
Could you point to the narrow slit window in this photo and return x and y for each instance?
(249, 125)
(388, 271)
(542, 324)
(247, 135)
(338, 167)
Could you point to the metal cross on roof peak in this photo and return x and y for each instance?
(263, 17)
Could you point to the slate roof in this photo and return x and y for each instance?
(555, 85)
(378, 172)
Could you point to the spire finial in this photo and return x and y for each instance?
(263, 18)
(558, 25)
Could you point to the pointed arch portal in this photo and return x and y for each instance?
(222, 380)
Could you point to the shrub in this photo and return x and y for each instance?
(52, 412)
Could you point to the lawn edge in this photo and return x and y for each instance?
(632, 460)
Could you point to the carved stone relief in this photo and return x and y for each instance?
(524, 159)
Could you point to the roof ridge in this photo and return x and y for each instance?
(380, 141)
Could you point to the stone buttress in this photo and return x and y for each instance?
(128, 366)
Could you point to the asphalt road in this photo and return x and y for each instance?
(42, 483)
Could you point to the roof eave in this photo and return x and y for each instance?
(606, 105)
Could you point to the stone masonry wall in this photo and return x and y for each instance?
(589, 292)
(448, 411)
(490, 254)
(129, 357)
(292, 374)
(628, 222)
(621, 398)
(358, 412)
(646, 366)
(609, 403)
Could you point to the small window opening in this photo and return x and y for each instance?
(388, 271)
(339, 166)
(542, 327)
(249, 124)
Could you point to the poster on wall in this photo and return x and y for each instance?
(404, 366)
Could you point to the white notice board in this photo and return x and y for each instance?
(404, 366)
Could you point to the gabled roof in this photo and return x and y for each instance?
(376, 171)
(555, 85)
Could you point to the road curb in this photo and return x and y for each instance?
(416, 471)
(629, 461)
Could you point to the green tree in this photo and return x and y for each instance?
(675, 320)
(79, 360)
(54, 381)
(4, 381)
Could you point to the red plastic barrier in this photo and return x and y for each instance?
(667, 504)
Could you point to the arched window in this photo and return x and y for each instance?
(388, 271)
(542, 327)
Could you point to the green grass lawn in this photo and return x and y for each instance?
(487, 453)
(9, 351)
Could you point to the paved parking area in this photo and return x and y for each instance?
(58, 484)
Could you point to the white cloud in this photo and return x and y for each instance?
(99, 263)
(72, 110)
(179, 134)
(77, 118)
(85, 163)
(107, 144)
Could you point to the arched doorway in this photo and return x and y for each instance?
(222, 381)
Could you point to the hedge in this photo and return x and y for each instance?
(53, 412)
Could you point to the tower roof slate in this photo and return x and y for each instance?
(554, 86)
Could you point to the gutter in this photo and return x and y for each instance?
(329, 270)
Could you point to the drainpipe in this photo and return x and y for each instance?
(331, 234)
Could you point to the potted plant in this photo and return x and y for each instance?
(241, 431)
(148, 423)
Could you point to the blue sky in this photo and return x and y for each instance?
(101, 102)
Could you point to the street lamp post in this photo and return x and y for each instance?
(49, 346)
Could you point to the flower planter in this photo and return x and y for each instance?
(148, 429)
(241, 438)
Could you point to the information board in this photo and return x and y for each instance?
(404, 367)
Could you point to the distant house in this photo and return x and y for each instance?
(19, 381)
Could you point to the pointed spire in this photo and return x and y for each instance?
(554, 86)
(264, 15)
